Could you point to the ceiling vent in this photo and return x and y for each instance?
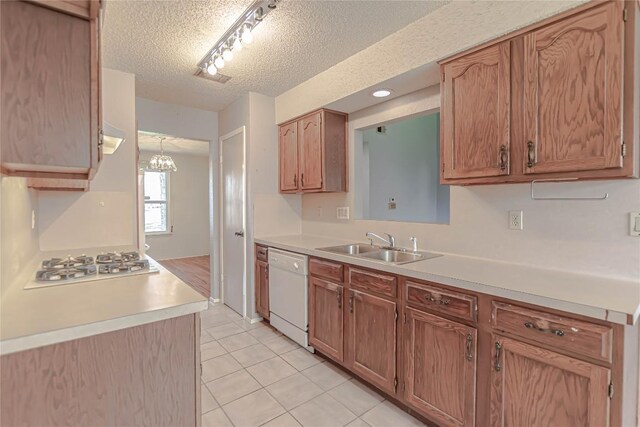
(218, 77)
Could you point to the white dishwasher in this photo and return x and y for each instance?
(288, 298)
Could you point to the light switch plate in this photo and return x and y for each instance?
(634, 223)
(515, 220)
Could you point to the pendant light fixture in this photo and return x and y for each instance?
(239, 35)
(160, 162)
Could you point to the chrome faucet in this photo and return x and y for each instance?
(391, 241)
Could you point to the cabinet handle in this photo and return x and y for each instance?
(339, 297)
(556, 332)
(302, 179)
(350, 303)
(496, 364)
(441, 301)
(469, 346)
(531, 154)
(503, 157)
(295, 181)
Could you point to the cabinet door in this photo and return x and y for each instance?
(440, 368)
(46, 90)
(289, 157)
(532, 386)
(573, 93)
(372, 339)
(311, 161)
(325, 317)
(262, 288)
(476, 104)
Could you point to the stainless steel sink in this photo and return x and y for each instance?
(375, 253)
(354, 249)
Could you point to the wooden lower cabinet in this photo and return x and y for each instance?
(326, 318)
(262, 288)
(532, 386)
(371, 341)
(143, 375)
(440, 368)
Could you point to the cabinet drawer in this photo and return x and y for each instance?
(434, 298)
(262, 254)
(573, 335)
(333, 271)
(379, 283)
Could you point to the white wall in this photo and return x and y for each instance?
(589, 237)
(18, 241)
(189, 210)
(105, 215)
(403, 165)
(449, 29)
(268, 213)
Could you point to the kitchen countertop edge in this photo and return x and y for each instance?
(601, 312)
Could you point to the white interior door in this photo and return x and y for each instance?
(232, 217)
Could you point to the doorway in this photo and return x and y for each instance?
(233, 220)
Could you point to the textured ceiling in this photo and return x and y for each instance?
(148, 141)
(162, 41)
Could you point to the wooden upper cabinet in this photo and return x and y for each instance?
(532, 386)
(313, 156)
(371, 341)
(475, 118)
(440, 368)
(289, 157)
(554, 100)
(311, 152)
(573, 92)
(326, 318)
(50, 89)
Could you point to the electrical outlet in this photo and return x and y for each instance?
(342, 212)
(634, 223)
(515, 220)
(392, 203)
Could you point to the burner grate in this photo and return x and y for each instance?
(117, 257)
(57, 274)
(123, 267)
(66, 263)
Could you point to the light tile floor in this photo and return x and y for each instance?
(252, 375)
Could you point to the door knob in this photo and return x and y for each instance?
(239, 233)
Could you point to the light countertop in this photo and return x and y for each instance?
(36, 317)
(614, 300)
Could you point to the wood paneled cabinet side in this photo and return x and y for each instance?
(50, 90)
(569, 78)
(532, 386)
(312, 153)
(440, 368)
(262, 282)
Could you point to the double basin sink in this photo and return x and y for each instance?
(395, 256)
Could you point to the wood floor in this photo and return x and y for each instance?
(194, 271)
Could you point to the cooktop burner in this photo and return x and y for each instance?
(84, 268)
(123, 267)
(55, 274)
(113, 257)
(68, 262)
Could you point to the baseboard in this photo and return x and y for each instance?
(254, 320)
(213, 300)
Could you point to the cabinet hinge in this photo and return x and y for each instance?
(624, 14)
(395, 384)
(443, 76)
(611, 390)
(404, 317)
(624, 149)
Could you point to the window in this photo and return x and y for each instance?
(156, 202)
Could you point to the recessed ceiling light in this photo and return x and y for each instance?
(381, 93)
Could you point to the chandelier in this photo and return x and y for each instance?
(160, 162)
